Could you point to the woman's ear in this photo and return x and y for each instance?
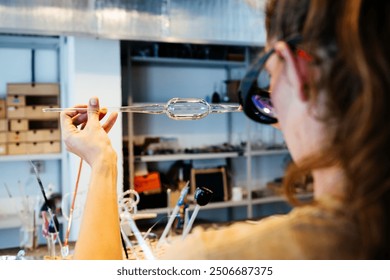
(295, 69)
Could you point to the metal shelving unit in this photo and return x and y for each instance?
(174, 157)
(248, 154)
(189, 62)
(9, 158)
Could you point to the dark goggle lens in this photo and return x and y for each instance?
(259, 107)
(263, 104)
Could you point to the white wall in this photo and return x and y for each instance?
(94, 70)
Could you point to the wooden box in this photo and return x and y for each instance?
(3, 125)
(30, 112)
(17, 148)
(3, 112)
(3, 149)
(52, 147)
(43, 135)
(16, 100)
(3, 137)
(17, 136)
(40, 89)
(18, 125)
(16, 112)
(26, 100)
(34, 147)
(36, 113)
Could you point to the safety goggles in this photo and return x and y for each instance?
(253, 92)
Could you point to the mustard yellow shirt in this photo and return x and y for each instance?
(318, 231)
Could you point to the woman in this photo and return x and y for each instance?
(329, 64)
(330, 94)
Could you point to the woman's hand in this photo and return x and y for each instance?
(91, 142)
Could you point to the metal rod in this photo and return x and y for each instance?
(190, 222)
(180, 202)
(141, 242)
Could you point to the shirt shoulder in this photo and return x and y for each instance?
(307, 232)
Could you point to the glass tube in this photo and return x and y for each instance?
(175, 108)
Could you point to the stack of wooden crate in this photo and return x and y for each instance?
(29, 129)
(3, 128)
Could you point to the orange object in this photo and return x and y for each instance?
(149, 182)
